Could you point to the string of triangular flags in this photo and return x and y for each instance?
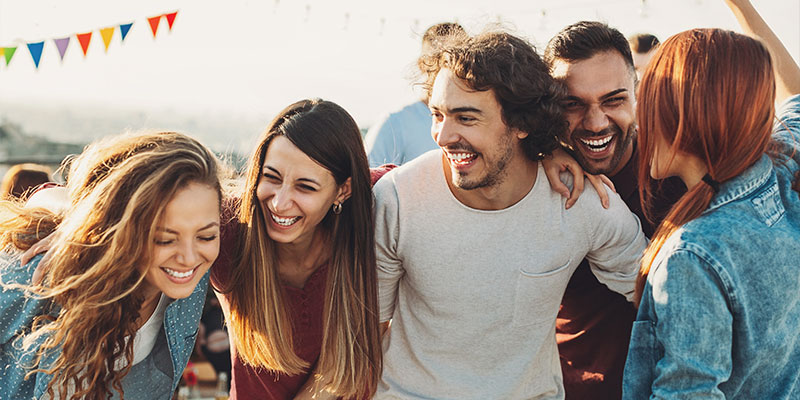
(106, 34)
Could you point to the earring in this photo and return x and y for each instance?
(337, 208)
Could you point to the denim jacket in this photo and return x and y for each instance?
(156, 377)
(720, 313)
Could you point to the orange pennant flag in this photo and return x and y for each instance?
(107, 33)
(171, 19)
(84, 39)
(154, 24)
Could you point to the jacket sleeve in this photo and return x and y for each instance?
(694, 325)
(18, 307)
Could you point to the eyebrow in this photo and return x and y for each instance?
(210, 225)
(614, 93)
(299, 179)
(459, 110)
(603, 97)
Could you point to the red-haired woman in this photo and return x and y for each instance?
(719, 315)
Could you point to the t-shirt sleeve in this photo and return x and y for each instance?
(390, 266)
(616, 244)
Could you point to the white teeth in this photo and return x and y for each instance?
(177, 274)
(597, 145)
(284, 221)
(460, 158)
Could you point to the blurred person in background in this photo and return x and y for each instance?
(643, 46)
(20, 179)
(401, 136)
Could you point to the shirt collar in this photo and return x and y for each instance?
(743, 184)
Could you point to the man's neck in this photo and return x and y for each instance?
(514, 187)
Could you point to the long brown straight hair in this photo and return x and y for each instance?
(710, 93)
(261, 324)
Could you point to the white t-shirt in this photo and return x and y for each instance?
(473, 294)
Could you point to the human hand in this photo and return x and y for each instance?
(561, 161)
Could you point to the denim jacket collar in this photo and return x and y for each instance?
(743, 184)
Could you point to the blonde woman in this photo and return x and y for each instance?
(297, 272)
(117, 311)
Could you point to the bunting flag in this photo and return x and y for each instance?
(84, 39)
(107, 33)
(171, 19)
(8, 52)
(123, 30)
(154, 24)
(36, 52)
(62, 45)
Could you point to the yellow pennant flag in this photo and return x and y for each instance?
(107, 33)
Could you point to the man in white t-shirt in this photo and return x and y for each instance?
(474, 249)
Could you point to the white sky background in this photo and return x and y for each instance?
(246, 59)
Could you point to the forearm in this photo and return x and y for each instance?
(787, 73)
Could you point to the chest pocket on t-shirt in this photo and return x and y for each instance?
(538, 295)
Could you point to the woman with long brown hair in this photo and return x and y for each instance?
(296, 275)
(117, 310)
(719, 312)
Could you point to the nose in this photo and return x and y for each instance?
(595, 119)
(188, 254)
(281, 200)
(444, 132)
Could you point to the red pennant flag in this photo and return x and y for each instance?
(154, 24)
(84, 39)
(171, 19)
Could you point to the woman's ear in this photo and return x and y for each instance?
(345, 190)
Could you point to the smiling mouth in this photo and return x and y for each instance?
(284, 221)
(177, 274)
(461, 158)
(597, 145)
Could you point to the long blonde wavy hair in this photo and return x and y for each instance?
(261, 323)
(118, 189)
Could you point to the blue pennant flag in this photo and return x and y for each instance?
(36, 52)
(123, 30)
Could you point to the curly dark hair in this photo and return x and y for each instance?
(509, 66)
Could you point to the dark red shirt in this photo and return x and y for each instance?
(306, 310)
(306, 307)
(593, 327)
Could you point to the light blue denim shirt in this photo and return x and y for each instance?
(720, 314)
(156, 377)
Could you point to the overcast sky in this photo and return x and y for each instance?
(252, 58)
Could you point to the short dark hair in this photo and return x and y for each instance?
(582, 40)
(642, 43)
(529, 98)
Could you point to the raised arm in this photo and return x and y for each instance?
(787, 73)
